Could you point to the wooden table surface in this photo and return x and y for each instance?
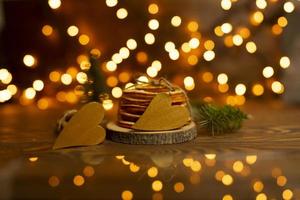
(261, 160)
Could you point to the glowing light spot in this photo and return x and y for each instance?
(288, 7)
(238, 166)
(251, 159)
(157, 65)
(84, 39)
(53, 181)
(261, 4)
(226, 28)
(228, 41)
(149, 38)
(226, 4)
(131, 44)
(29, 60)
(196, 166)
(88, 171)
(33, 159)
(30, 93)
(169, 46)
(209, 45)
(209, 55)
(111, 3)
(47, 30)
(185, 47)
(210, 156)
(66, 79)
(143, 79)
(240, 89)
(276, 29)
(107, 104)
(222, 78)
(112, 81)
(257, 89)
(284, 62)
(178, 187)
(117, 58)
(187, 162)
(282, 21)
(174, 54)
(157, 185)
(218, 31)
(251, 47)
(281, 181)
(219, 175)
(287, 194)
(207, 77)
(258, 186)
(142, 57)
(192, 60)
(12, 89)
(223, 88)
(117, 92)
(277, 87)
(153, 8)
(134, 168)
(81, 77)
(244, 32)
(227, 197)
(152, 72)
(127, 195)
(237, 40)
(38, 85)
(5, 76)
(152, 172)
(124, 77)
(194, 43)
(78, 180)
(43, 103)
(227, 179)
(54, 4)
(153, 24)
(124, 52)
(176, 21)
(193, 26)
(261, 196)
(257, 18)
(111, 66)
(189, 83)
(122, 13)
(72, 31)
(268, 72)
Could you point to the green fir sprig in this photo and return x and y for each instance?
(219, 120)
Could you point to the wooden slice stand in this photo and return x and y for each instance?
(130, 136)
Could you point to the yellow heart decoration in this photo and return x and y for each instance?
(161, 115)
(83, 129)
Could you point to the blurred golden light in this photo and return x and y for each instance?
(128, 85)
(176, 21)
(71, 97)
(284, 62)
(222, 78)
(277, 87)
(152, 72)
(185, 47)
(5, 76)
(29, 60)
(66, 79)
(226, 28)
(289, 7)
(237, 40)
(95, 52)
(85, 65)
(187, 162)
(54, 76)
(30, 93)
(117, 92)
(53, 181)
(178, 187)
(226, 4)
(207, 77)
(54, 4)
(124, 52)
(33, 159)
(189, 83)
(194, 43)
(261, 196)
(47, 30)
(251, 159)
(107, 104)
(227, 197)
(209, 55)
(153, 24)
(281, 181)
(111, 66)
(210, 156)
(124, 77)
(240, 89)
(156, 64)
(218, 31)
(276, 29)
(251, 47)
(81, 77)
(244, 32)
(88, 171)
(223, 87)
(157, 185)
(196, 166)
(193, 26)
(169, 46)
(61, 96)
(125, 162)
(240, 100)
(153, 8)
(111, 3)
(257, 18)
(131, 44)
(238, 166)
(227, 179)
(142, 57)
(149, 38)
(72, 71)
(72, 31)
(43, 103)
(84, 39)
(228, 41)
(209, 45)
(112, 81)
(78, 180)
(38, 85)
(127, 195)
(174, 54)
(143, 79)
(5, 95)
(287, 194)
(268, 72)
(192, 60)
(219, 175)
(12, 89)
(117, 58)
(134, 168)
(152, 172)
(261, 4)
(282, 21)
(122, 13)
(257, 89)
(82, 58)
(258, 186)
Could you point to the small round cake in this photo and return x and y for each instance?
(136, 99)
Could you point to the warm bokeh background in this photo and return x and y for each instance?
(227, 51)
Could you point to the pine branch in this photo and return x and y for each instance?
(219, 120)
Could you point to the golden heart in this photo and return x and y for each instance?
(83, 129)
(161, 115)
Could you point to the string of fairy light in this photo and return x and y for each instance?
(192, 51)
